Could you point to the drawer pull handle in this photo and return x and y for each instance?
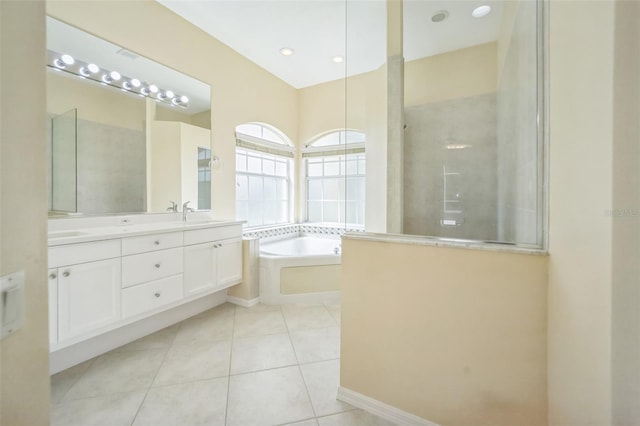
(53, 276)
(157, 294)
(157, 265)
(66, 273)
(156, 242)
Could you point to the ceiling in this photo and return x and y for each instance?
(318, 30)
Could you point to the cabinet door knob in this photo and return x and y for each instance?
(53, 276)
(66, 273)
(157, 294)
(157, 265)
(156, 242)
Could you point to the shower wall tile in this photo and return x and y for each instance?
(430, 128)
(111, 168)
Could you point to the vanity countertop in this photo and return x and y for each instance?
(99, 233)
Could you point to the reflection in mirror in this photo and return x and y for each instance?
(118, 97)
(204, 178)
(64, 131)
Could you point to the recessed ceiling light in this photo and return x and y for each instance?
(481, 11)
(337, 59)
(440, 16)
(286, 51)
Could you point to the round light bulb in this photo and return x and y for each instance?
(153, 88)
(126, 85)
(286, 51)
(107, 79)
(184, 99)
(93, 68)
(481, 11)
(169, 94)
(67, 59)
(337, 59)
(58, 63)
(115, 75)
(84, 72)
(144, 91)
(135, 82)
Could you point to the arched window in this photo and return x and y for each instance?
(264, 164)
(335, 178)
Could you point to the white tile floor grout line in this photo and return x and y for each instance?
(304, 323)
(233, 332)
(146, 394)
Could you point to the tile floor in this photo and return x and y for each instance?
(266, 365)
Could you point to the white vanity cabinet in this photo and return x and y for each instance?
(212, 260)
(53, 306)
(152, 275)
(85, 281)
(99, 284)
(88, 297)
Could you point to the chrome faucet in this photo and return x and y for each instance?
(185, 211)
(173, 207)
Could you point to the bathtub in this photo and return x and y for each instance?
(300, 270)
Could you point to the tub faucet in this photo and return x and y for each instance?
(173, 207)
(185, 211)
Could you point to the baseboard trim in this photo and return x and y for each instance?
(245, 303)
(380, 409)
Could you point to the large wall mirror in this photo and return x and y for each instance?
(128, 135)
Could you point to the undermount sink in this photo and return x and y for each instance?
(66, 234)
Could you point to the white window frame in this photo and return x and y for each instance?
(341, 153)
(254, 147)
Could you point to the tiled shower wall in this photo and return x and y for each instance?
(470, 125)
(111, 168)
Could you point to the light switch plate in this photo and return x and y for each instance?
(11, 303)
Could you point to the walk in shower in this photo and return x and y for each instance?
(464, 118)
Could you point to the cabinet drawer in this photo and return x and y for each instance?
(198, 236)
(140, 268)
(82, 253)
(148, 243)
(146, 297)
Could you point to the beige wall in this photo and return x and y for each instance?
(173, 167)
(456, 336)
(102, 104)
(241, 91)
(453, 75)
(580, 186)
(24, 356)
(626, 227)
(437, 78)
(94, 102)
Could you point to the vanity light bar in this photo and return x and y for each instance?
(90, 71)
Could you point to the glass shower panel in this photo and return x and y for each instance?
(64, 141)
(364, 139)
(472, 139)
